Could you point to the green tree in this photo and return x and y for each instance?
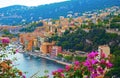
(79, 58)
(65, 45)
(68, 58)
(6, 32)
(59, 55)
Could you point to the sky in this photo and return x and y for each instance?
(5, 3)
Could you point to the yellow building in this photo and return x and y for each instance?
(35, 42)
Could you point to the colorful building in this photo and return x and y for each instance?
(46, 47)
(31, 40)
(55, 51)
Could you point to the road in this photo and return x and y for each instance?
(112, 31)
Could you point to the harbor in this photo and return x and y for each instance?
(35, 54)
(32, 64)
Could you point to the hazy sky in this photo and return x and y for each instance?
(4, 3)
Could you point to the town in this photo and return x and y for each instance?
(74, 40)
(38, 40)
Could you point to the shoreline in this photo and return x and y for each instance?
(48, 58)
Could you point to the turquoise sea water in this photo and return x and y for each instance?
(35, 64)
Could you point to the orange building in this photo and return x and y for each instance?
(29, 45)
(46, 47)
(29, 40)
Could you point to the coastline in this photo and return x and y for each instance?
(45, 57)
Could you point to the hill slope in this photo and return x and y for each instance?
(18, 14)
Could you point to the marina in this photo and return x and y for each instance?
(32, 65)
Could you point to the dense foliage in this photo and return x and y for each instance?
(31, 27)
(6, 33)
(115, 23)
(81, 40)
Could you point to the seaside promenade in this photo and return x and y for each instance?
(38, 54)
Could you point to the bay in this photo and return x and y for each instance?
(32, 65)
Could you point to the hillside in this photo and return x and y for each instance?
(18, 14)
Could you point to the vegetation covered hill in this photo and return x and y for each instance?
(96, 34)
(17, 14)
(81, 40)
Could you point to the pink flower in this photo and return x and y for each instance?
(92, 55)
(54, 72)
(23, 76)
(67, 67)
(94, 74)
(87, 63)
(60, 70)
(100, 70)
(102, 61)
(109, 65)
(102, 55)
(77, 63)
(62, 75)
(91, 62)
(76, 68)
(94, 66)
(94, 61)
(5, 40)
(91, 68)
(16, 51)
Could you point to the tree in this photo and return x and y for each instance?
(68, 58)
(6, 32)
(59, 55)
(79, 58)
(65, 45)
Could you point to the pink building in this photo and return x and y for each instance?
(55, 51)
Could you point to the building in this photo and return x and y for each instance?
(105, 49)
(55, 51)
(31, 40)
(46, 47)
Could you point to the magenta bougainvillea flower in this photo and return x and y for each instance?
(67, 67)
(16, 50)
(100, 70)
(93, 65)
(94, 74)
(109, 64)
(60, 70)
(77, 63)
(92, 55)
(102, 61)
(54, 72)
(23, 76)
(103, 55)
(5, 40)
(94, 61)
